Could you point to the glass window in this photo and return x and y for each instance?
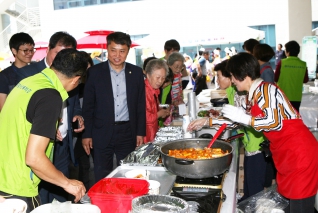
(65, 4)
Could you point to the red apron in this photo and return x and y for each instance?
(295, 154)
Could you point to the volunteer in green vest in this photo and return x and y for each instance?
(254, 160)
(28, 123)
(291, 73)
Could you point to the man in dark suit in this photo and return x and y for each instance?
(113, 107)
(63, 149)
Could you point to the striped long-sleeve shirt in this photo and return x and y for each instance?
(176, 91)
(275, 106)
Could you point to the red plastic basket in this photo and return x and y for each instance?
(115, 194)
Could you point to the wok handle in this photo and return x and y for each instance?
(234, 137)
(184, 162)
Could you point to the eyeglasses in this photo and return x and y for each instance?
(178, 68)
(26, 51)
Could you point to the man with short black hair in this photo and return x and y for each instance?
(28, 124)
(279, 54)
(170, 47)
(291, 73)
(114, 107)
(71, 112)
(22, 48)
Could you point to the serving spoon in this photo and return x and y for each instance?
(217, 134)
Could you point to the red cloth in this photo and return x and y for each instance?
(152, 106)
(294, 150)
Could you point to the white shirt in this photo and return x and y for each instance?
(64, 124)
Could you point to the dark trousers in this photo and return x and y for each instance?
(32, 202)
(83, 161)
(121, 144)
(254, 174)
(61, 160)
(83, 170)
(305, 205)
(270, 172)
(296, 105)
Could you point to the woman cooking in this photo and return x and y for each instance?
(293, 146)
(156, 71)
(254, 160)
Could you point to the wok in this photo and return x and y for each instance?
(196, 169)
(219, 102)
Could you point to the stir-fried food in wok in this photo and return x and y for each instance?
(197, 154)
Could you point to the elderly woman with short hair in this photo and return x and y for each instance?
(176, 65)
(156, 71)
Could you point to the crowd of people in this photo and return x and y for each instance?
(118, 107)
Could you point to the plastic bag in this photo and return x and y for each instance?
(264, 201)
(57, 207)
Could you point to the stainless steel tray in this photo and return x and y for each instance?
(160, 174)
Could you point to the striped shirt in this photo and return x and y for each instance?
(176, 91)
(275, 106)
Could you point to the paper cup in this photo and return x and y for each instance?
(154, 187)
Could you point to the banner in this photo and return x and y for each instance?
(309, 54)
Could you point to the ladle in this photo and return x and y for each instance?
(217, 134)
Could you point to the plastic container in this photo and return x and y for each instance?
(115, 194)
(154, 187)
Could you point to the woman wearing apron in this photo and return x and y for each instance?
(293, 146)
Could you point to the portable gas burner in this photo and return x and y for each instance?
(206, 192)
(210, 183)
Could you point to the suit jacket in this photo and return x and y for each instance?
(98, 103)
(73, 104)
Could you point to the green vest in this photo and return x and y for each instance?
(252, 138)
(230, 92)
(15, 176)
(291, 78)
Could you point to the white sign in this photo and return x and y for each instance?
(309, 54)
